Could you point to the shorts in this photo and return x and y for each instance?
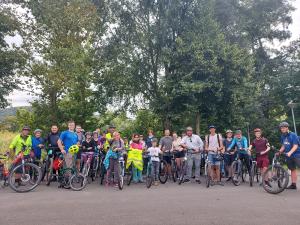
(212, 159)
(293, 163)
(228, 159)
(179, 154)
(167, 158)
(262, 162)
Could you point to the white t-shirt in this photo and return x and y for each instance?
(154, 153)
(213, 141)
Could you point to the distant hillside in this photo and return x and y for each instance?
(10, 111)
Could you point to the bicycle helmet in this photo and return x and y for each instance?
(26, 128)
(228, 131)
(88, 133)
(212, 126)
(37, 130)
(73, 149)
(283, 124)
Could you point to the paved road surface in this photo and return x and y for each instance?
(168, 204)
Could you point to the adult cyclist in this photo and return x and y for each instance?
(241, 144)
(291, 147)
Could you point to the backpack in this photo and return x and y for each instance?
(218, 137)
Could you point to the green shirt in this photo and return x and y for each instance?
(18, 143)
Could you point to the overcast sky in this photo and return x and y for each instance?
(20, 98)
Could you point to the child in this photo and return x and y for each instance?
(138, 165)
(154, 152)
(112, 158)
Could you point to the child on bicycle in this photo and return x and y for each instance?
(88, 146)
(112, 159)
(154, 152)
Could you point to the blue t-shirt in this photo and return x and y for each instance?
(37, 150)
(68, 138)
(241, 144)
(289, 140)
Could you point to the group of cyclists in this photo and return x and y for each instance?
(220, 152)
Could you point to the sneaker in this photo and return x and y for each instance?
(155, 183)
(116, 186)
(198, 181)
(220, 183)
(186, 181)
(141, 181)
(229, 179)
(292, 187)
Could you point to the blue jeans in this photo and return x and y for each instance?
(137, 175)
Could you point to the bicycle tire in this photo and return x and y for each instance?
(163, 174)
(207, 176)
(80, 179)
(11, 177)
(49, 172)
(236, 178)
(251, 176)
(149, 181)
(283, 174)
(121, 182)
(129, 176)
(181, 175)
(65, 176)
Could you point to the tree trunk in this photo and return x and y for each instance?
(198, 123)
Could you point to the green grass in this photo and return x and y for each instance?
(5, 139)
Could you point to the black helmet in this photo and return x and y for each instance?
(283, 124)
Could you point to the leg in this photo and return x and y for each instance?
(197, 159)
(189, 166)
(135, 174)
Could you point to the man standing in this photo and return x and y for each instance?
(21, 142)
(262, 147)
(38, 143)
(192, 144)
(291, 147)
(66, 140)
(52, 139)
(165, 145)
(213, 145)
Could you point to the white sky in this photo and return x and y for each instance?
(22, 98)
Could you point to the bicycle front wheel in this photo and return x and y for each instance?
(163, 172)
(278, 179)
(78, 182)
(25, 177)
(237, 176)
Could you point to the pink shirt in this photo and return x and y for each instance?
(138, 146)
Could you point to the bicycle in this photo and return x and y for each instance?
(277, 177)
(163, 174)
(4, 170)
(208, 168)
(183, 169)
(121, 172)
(23, 176)
(255, 173)
(149, 174)
(239, 170)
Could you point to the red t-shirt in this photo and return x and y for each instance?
(260, 145)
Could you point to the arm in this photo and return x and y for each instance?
(60, 146)
(233, 143)
(295, 146)
(222, 149)
(206, 143)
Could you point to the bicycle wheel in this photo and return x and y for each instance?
(236, 169)
(129, 175)
(163, 173)
(174, 171)
(182, 173)
(25, 177)
(244, 173)
(251, 176)
(277, 177)
(78, 182)
(49, 171)
(207, 175)
(95, 168)
(64, 177)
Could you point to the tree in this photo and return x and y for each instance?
(10, 57)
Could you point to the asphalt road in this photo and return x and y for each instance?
(168, 204)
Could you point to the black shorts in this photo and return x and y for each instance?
(293, 163)
(167, 158)
(179, 154)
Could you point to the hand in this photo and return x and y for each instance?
(289, 154)
(262, 153)
(63, 152)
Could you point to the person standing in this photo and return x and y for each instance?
(108, 137)
(66, 140)
(193, 144)
(165, 145)
(52, 138)
(229, 156)
(38, 143)
(291, 147)
(149, 139)
(214, 145)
